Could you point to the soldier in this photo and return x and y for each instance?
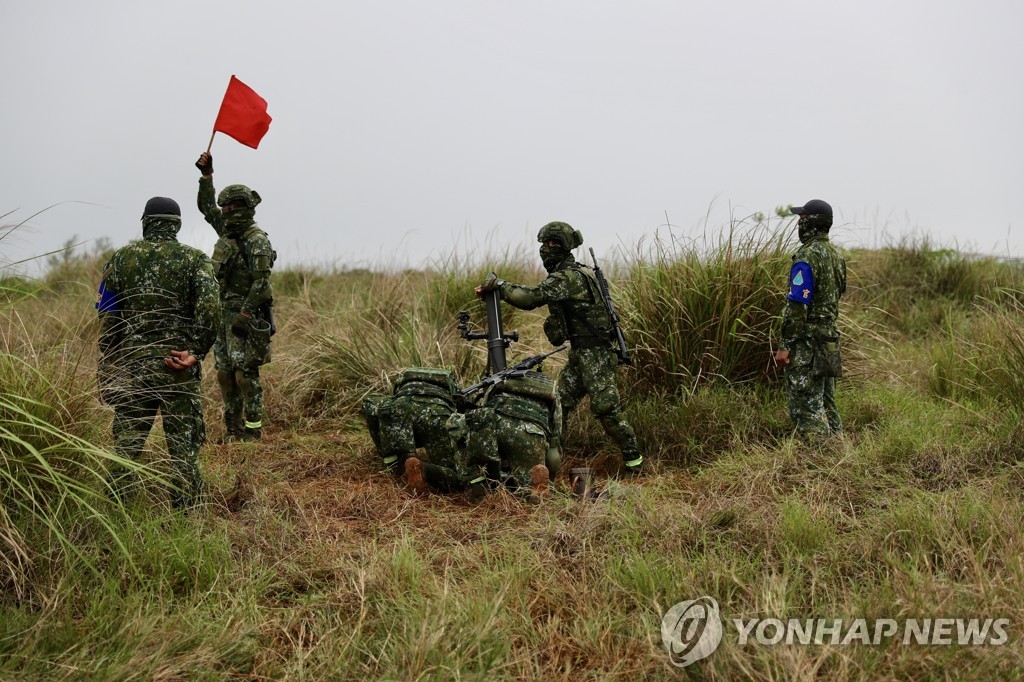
(414, 416)
(809, 347)
(576, 313)
(158, 314)
(242, 261)
(513, 437)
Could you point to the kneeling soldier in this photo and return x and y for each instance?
(514, 436)
(414, 416)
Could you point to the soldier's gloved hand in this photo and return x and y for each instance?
(240, 325)
(490, 284)
(205, 163)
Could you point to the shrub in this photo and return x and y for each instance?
(705, 310)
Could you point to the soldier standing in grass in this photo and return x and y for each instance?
(809, 348)
(159, 314)
(577, 314)
(242, 261)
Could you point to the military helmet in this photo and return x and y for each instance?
(249, 197)
(562, 233)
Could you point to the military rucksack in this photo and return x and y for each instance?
(426, 382)
(531, 397)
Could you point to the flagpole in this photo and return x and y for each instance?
(210, 146)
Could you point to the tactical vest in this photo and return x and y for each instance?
(586, 323)
(530, 397)
(427, 382)
(232, 267)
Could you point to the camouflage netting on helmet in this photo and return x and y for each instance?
(561, 232)
(231, 193)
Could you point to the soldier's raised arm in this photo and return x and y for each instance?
(207, 198)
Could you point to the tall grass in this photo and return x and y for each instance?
(917, 284)
(704, 311)
(356, 342)
(326, 569)
(53, 494)
(981, 356)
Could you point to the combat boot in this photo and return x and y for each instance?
(540, 483)
(477, 491)
(251, 435)
(233, 428)
(414, 475)
(632, 464)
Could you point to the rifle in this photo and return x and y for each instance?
(606, 296)
(517, 370)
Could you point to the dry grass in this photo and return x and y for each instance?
(311, 564)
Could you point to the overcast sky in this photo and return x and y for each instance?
(404, 130)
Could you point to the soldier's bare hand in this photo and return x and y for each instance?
(479, 291)
(782, 357)
(180, 359)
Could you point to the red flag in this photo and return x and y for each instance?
(243, 114)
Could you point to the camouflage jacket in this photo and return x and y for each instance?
(157, 295)
(576, 310)
(817, 280)
(242, 257)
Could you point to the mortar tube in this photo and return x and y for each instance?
(496, 343)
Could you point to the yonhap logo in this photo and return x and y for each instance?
(691, 630)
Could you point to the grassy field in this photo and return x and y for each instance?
(310, 564)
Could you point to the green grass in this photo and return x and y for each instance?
(310, 564)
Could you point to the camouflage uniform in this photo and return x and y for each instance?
(414, 416)
(817, 280)
(577, 314)
(157, 295)
(242, 261)
(518, 427)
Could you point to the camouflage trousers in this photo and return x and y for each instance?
(812, 402)
(238, 370)
(184, 430)
(494, 439)
(591, 371)
(405, 423)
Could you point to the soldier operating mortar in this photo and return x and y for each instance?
(577, 313)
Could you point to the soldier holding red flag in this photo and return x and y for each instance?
(242, 261)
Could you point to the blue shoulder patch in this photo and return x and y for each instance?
(801, 283)
(106, 300)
